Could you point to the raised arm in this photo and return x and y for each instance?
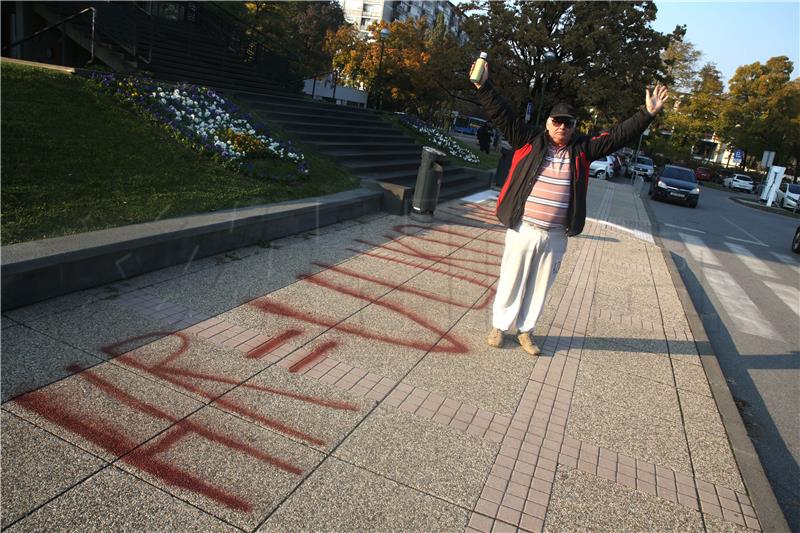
(501, 113)
(625, 132)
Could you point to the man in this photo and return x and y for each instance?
(544, 200)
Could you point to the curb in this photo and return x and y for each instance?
(755, 480)
(38, 270)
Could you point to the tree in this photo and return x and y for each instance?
(695, 116)
(681, 59)
(762, 110)
(294, 30)
(607, 52)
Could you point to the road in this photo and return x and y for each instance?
(744, 281)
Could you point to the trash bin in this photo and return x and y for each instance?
(429, 182)
(500, 175)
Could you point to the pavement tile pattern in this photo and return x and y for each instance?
(339, 380)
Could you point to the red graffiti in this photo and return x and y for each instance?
(411, 290)
(270, 345)
(315, 354)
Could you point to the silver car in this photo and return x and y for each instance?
(602, 168)
(643, 166)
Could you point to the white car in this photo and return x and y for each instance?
(788, 195)
(740, 182)
(602, 168)
(643, 166)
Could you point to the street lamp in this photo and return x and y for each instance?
(384, 35)
(549, 57)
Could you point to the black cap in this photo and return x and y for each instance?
(563, 109)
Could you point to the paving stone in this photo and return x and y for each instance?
(115, 501)
(37, 466)
(409, 450)
(584, 502)
(719, 525)
(341, 497)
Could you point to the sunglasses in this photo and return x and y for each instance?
(561, 121)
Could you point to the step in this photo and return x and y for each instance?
(372, 155)
(275, 103)
(335, 127)
(307, 116)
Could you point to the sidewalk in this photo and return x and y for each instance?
(339, 380)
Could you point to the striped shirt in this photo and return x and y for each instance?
(548, 202)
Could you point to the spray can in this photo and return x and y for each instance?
(477, 71)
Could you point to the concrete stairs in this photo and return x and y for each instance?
(384, 157)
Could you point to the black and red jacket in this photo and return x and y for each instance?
(530, 147)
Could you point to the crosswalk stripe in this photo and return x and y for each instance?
(741, 310)
(684, 228)
(787, 260)
(752, 262)
(698, 249)
(788, 295)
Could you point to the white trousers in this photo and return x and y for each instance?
(531, 259)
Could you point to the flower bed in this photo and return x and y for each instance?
(207, 122)
(438, 138)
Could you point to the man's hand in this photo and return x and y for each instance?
(654, 102)
(483, 78)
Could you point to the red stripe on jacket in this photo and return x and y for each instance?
(519, 154)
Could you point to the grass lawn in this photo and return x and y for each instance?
(75, 160)
(487, 161)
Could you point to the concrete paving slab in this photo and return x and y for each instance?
(37, 466)
(700, 413)
(605, 335)
(60, 304)
(410, 451)
(115, 501)
(372, 340)
(655, 440)
(340, 497)
(106, 410)
(652, 366)
(713, 459)
(691, 377)
(485, 377)
(32, 360)
(605, 386)
(320, 415)
(95, 326)
(582, 502)
(192, 365)
(227, 466)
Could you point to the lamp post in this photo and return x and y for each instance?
(548, 58)
(384, 35)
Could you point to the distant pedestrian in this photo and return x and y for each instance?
(543, 201)
(483, 137)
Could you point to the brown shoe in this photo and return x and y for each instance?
(495, 338)
(527, 343)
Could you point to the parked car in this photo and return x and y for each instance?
(722, 176)
(796, 241)
(676, 184)
(740, 182)
(788, 195)
(643, 166)
(704, 174)
(603, 168)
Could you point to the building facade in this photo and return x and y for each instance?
(363, 13)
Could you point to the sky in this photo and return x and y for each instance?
(732, 34)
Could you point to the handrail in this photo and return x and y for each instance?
(59, 23)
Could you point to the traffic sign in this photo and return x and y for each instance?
(738, 155)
